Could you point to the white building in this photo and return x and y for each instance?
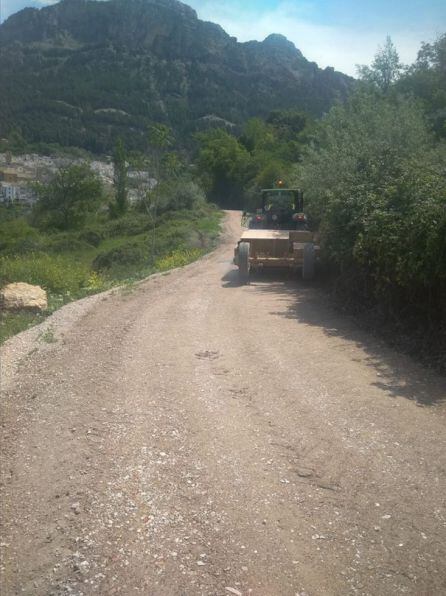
(8, 192)
(11, 192)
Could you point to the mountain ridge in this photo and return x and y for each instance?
(155, 60)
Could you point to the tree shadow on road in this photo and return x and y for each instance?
(398, 375)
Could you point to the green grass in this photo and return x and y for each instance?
(58, 274)
(13, 323)
(178, 258)
(48, 336)
(124, 255)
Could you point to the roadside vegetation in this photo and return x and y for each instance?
(80, 238)
(234, 169)
(374, 175)
(375, 182)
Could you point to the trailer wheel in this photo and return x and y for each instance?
(243, 262)
(309, 261)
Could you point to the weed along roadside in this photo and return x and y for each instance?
(69, 268)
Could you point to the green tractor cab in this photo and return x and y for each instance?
(280, 209)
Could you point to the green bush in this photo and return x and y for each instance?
(16, 231)
(375, 186)
(24, 246)
(127, 254)
(132, 224)
(358, 173)
(182, 195)
(66, 202)
(91, 237)
(56, 273)
(68, 245)
(404, 236)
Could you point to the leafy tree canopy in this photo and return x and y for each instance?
(224, 164)
(375, 185)
(385, 69)
(426, 80)
(69, 199)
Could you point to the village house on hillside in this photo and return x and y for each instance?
(18, 173)
(16, 184)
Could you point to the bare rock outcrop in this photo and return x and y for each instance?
(22, 296)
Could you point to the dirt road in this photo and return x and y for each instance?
(193, 437)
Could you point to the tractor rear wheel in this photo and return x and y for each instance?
(243, 262)
(309, 261)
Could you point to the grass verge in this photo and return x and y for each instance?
(124, 255)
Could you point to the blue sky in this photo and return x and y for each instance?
(339, 33)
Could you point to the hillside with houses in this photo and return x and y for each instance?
(20, 173)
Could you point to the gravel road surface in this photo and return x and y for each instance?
(189, 436)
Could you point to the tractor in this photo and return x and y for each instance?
(277, 236)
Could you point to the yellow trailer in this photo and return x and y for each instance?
(289, 249)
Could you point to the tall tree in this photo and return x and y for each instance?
(120, 177)
(426, 80)
(385, 69)
(160, 139)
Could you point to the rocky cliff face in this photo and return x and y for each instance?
(80, 72)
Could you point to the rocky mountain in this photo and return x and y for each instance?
(81, 72)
